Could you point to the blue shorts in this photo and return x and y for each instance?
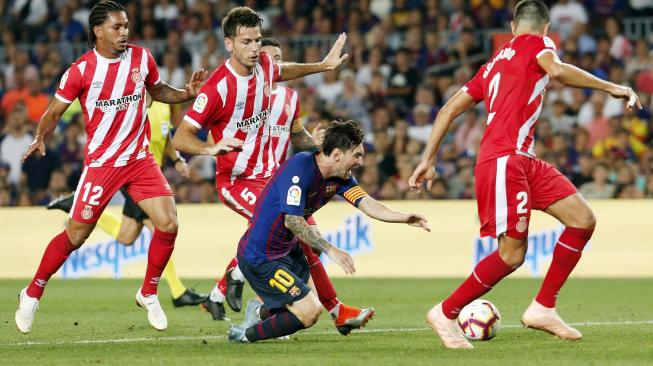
(279, 282)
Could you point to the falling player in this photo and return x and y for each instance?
(236, 102)
(269, 253)
(111, 81)
(510, 181)
(127, 229)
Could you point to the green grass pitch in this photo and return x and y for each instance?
(84, 322)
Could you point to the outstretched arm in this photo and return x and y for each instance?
(379, 211)
(571, 75)
(291, 70)
(186, 140)
(162, 92)
(458, 104)
(46, 126)
(305, 233)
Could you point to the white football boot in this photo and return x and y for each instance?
(155, 314)
(447, 329)
(27, 307)
(540, 317)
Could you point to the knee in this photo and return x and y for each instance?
(311, 315)
(169, 224)
(77, 237)
(126, 239)
(513, 255)
(586, 219)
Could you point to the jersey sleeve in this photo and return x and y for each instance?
(543, 45)
(293, 185)
(70, 86)
(153, 76)
(296, 125)
(474, 87)
(205, 108)
(275, 68)
(351, 191)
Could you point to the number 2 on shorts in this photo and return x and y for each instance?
(282, 280)
(522, 197)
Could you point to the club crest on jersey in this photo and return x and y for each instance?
(522, 225)
(200, 103)
(136, 75)
(253, 123)
(87, 213)
(266, 89)
(295, 291)
(294, 197)
(287, 110)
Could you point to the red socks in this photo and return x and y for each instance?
(325, 290)
(53, 258)
(487, 273)
(222, 284)
(566, 255)
(161, 248)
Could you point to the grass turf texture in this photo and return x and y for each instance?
(96, 321)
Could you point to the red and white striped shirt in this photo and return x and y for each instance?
(512, 85)
(284, 111)
(112, 95)
(237, 106)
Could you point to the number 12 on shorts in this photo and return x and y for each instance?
(97, 193)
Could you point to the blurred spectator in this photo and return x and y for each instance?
(565, 14)
(599, 187)
(15, 142)
(171, 72)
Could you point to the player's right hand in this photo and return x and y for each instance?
(318, 135)
(344, 260)
(425, 171)
(226, 145)
(37, 145)
(627, 93)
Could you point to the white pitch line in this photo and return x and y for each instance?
(214, 337)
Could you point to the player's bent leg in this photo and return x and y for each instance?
(53, 258)
(162, 212)
(574, 212)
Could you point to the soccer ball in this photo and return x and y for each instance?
(480, 320)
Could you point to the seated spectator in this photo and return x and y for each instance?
(599, 187)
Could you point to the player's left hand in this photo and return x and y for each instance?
(182, 168)
(195, 83)
(418, 221)
(318, 135)
(333, 59)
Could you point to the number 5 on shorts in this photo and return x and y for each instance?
(282, 280)
(248, 196)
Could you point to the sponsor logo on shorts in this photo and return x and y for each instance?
(522, 225)
(87, 213)
(294, 195)
(295, 291)
(200, 103)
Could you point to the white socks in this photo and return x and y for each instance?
(216, 295)
(237, 275)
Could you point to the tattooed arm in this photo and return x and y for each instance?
(305, 233)
(302, 140)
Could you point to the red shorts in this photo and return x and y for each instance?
(507, 188)
(243, 194)
(142, 179)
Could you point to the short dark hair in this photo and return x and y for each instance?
(342, 135)
(270, 42)
(99, 14)
(242, 16)
(532, 10)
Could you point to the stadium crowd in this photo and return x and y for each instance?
(407, 58)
